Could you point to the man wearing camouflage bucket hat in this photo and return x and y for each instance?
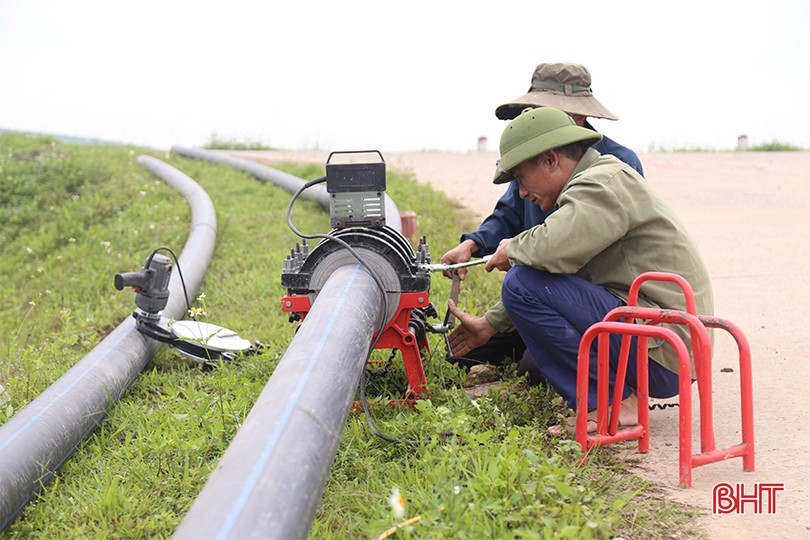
(562, 85)
(565, 86)
(564, 275)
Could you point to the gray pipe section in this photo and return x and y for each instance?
(269, 482)
(38, 439)
(283, 180)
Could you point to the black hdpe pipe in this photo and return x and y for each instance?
(270, 480)
(281, 179)
(43, 435)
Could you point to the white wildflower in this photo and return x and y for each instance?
(397, 502)
(197, 312)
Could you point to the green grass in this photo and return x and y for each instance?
(73, 216)
(771, 146)
(775, 146)
(216, 142)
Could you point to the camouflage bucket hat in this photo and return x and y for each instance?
(562, 85)
(536, 131)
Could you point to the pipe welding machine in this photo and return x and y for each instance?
(360, 234)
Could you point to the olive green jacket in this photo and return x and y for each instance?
(609, 227)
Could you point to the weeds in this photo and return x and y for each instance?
(775, 146)
(771, 146)
(215, 142)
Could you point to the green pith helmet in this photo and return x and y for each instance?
(536, 131)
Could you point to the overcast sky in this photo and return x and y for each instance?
(417, 75)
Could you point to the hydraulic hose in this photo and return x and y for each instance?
(43, 435)
(270, 480)
(281, 179)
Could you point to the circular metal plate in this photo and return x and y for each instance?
(210, 336)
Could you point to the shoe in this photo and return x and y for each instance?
(570, 428)
(481, 374)
(628, 417)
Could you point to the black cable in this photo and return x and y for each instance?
(179, 270)
(662, 406)
(380, 285)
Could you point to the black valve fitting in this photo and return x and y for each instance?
(151, 284)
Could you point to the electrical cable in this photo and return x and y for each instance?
(662, 406)
(179, 270)
(377, 281)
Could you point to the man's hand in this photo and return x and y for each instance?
(459, 254)
(499, 259)
(471, 333)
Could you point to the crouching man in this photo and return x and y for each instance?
(564, 275)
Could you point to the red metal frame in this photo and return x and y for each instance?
(608, 432)
(396, 335)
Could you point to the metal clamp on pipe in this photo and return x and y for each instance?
(360, 236)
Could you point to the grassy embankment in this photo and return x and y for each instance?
(73, 216)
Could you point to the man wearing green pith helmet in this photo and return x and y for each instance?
(565, 274)
(565, 86)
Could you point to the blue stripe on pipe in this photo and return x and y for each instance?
(253, 479)
(61, 394)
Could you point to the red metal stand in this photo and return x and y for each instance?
(607, 422)
(397, 334)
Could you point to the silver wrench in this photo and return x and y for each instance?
(451, 267)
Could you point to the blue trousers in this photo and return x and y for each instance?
(551, 312)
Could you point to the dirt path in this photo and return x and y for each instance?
(750, 214)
